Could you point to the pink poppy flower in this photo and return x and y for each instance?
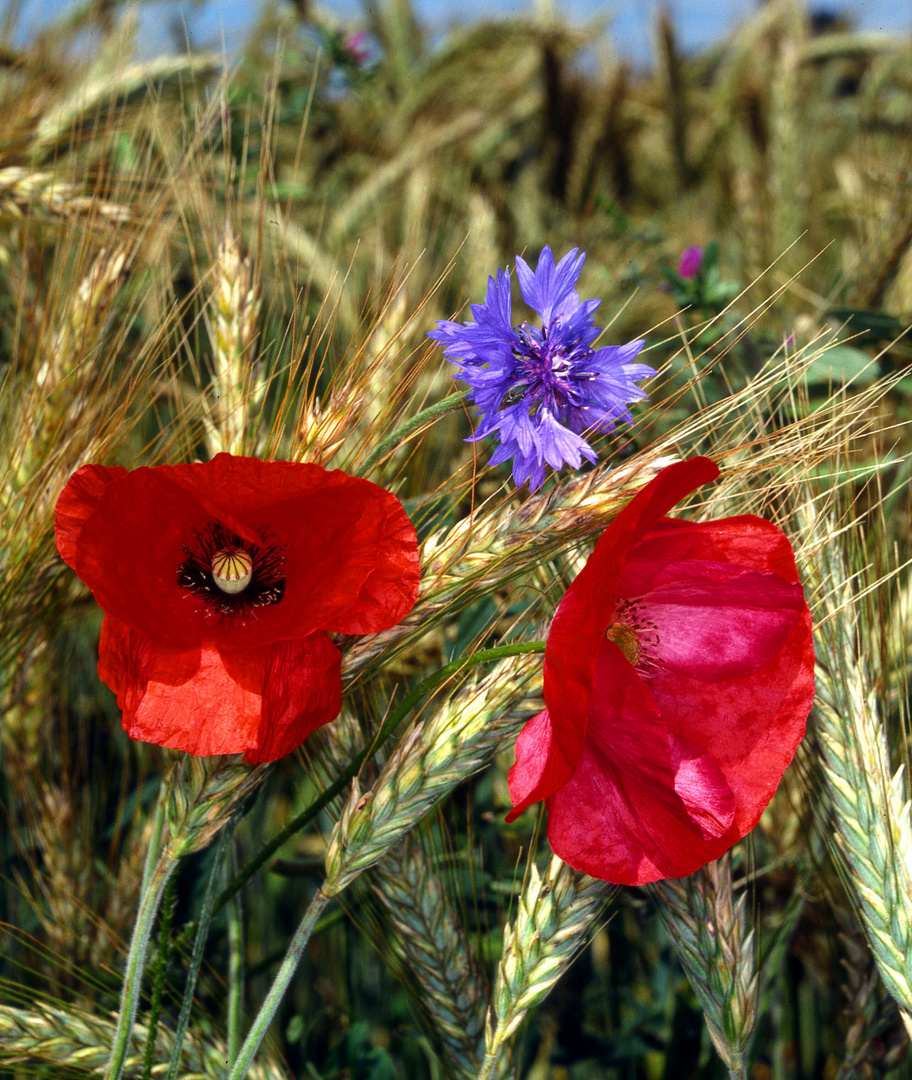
(678, 677)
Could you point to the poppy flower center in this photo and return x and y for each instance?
(636, 635)
(230, 575)
(232, 569)
(625, 638)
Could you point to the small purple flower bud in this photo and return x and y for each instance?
(690, 262)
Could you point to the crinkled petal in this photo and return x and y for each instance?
(716, 621)
(76, 504)
(302, 690)
(640, 805)
(262, 703)
(746, 541)
(183, 699)
(702, 787)
(625, 828)
(390, 590)
(129, 552)
(750, 726)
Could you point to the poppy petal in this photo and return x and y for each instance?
(745, 541)
(587, 610)
(129, 552)
(390, 590)
(76, 504)
(623, 827)
(714, 621)
(263, 703)
(702, 787)
(749, 726)
(302, 691)
(648, 802)
(183, 699)
(539, 764)
(338, 535)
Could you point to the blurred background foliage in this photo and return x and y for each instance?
(374, 182)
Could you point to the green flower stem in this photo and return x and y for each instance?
(154, 886)
(452, 403)
(484, 656)
(280, 984)
(235, 968)
(196, 959)
(158, 968)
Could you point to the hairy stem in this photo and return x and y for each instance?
(129, 1000)
(280, 984)
(449, 404)
(235, 968)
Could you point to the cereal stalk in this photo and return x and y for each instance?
(433, 944)
(43, 1035)
(234, 308)
(555, 913)
(136, 958)
(709, 932)
(871, 836)
(461, 737)
(351, 770)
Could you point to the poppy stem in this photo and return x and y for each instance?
(449, 404)
(158, 968)
(202, 933)
(235, 966)
(483, 656)
(155, 878)
(136, 958)
(283, 977)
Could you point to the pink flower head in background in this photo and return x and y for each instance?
(690, 262)
(357, 45)
(678, 676)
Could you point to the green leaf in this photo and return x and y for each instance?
(872, 324)
(842, 364)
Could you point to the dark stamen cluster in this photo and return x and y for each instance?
(267, 583)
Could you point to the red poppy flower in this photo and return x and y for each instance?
(678, 676)
(219, 582)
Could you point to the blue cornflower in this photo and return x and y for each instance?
(539, 388)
